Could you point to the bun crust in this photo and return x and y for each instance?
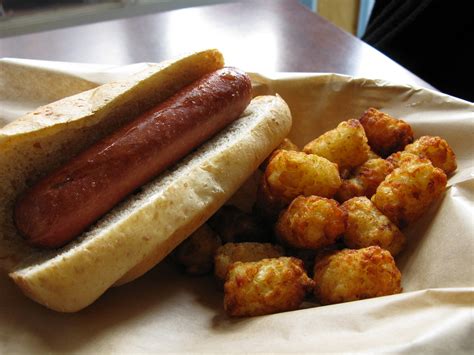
(144, 228)
(42, 140)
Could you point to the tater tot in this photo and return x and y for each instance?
(399, 158)
(230, 253)
(196, 253)
(350, 275)
(406, 158)
(290, 174)
(437, 150)
(286, 144)
(365, 180)
(265, 287)
(385, 133)
(234, 225)
(409, 190)
(367, 226)
(346, 145)
(311, 223)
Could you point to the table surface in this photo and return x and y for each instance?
(262, 36)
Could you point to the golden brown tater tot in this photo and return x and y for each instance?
(346, 145)
(311, 223)
(385, 133)
(408, 191)
(286, 144)
(349, 275)
(266, 286)
(230, 253)
(290, 174)
(437, 150)
(367, 226)
(365, 180)
(402, 157)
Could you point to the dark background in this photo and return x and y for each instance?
(434, 39)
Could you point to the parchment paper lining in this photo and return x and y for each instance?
(167, 311)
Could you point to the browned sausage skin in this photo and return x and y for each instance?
(66, 202)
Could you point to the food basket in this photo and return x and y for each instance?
(168, 311)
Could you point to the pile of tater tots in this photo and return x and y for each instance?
(328, 219)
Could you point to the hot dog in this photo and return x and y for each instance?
(65, 203)
(144, 227)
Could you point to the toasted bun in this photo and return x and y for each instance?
(144, 228)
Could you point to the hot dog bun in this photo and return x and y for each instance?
(64, 204)
(38, 142)
(144, 228)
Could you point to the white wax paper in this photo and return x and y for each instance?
(170, 312)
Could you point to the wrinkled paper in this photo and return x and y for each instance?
(171, 312)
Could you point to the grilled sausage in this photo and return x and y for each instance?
(65, 203)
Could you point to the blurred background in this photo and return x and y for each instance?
(431, 38)
(26, 16)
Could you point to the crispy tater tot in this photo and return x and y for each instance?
(196, 253)
(365, 180)
(230, 253)
(311, 223)
(350, 275)
(372, 173)
(402, 157)
(408, 191)
(265, 287)
(385, 133)
(437, 150)
(346, 145)
(286, 144)
(367, 226)
(290, 174)
(234, 225)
